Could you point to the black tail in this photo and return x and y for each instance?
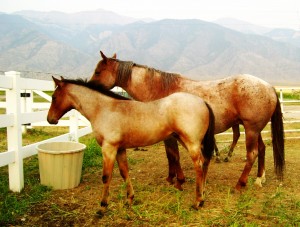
(278, 141)
(209, 138)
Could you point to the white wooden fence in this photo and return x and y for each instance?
(19, 112)
(23, 110)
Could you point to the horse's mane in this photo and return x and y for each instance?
(96, 87)
(125, 69)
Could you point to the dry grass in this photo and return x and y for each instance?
(157, 203)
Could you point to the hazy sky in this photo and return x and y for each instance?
(269, 13)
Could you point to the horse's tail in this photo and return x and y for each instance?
(278, 140)
(209, 138)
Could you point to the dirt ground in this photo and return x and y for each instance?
(154, 197)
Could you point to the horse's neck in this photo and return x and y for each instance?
(144, 87)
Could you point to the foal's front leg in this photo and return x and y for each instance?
(109, 153)
(123, 167)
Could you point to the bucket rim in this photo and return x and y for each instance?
(81, 147)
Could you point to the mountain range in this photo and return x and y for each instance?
(41, 44)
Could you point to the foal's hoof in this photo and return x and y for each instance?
(100, 214)
(226, 159)
(218, 160)
(198, 205)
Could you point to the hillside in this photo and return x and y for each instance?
(194, 48)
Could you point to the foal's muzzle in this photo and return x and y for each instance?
(52, 121)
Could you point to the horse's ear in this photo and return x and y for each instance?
(57, 82)
(103, 56)
(114, 56)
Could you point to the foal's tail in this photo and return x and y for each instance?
(278, 140)
(209, 138)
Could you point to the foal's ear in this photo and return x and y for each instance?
(103, 56)
(114, 56)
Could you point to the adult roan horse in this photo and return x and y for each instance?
(241, 99)
(119, 124)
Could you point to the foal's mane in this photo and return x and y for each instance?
(125, 69)
(95, 87)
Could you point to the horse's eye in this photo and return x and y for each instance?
(53, 98)
(97, 73)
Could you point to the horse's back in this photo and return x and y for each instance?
(237, 99)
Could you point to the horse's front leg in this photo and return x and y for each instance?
(123, 167)
(109, 156)
(252, 151)
(172, 152)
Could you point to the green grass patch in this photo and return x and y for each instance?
(14, 205)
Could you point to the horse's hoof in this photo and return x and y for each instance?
(170, 180)
(258, 182)
(226, 159)
(234, 191)
(238, 188)
(178, 186)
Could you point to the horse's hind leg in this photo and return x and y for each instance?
(261, 175)
(218, 159)
(252, 151)
(123, 167)
(236, 136)
(175, 170)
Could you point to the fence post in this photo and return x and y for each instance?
(14, 134)
(73, 127)
(281, 100)
(26, 105)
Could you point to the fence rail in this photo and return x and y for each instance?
(22, 110)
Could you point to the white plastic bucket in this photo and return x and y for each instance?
(60, 164)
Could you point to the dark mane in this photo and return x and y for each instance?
(125, 70)
(95, 87)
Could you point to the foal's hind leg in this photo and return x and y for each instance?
(236, 136)
(201, 172)
(123, 167)
(175, 170)
(261, 175)
(252, 151)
